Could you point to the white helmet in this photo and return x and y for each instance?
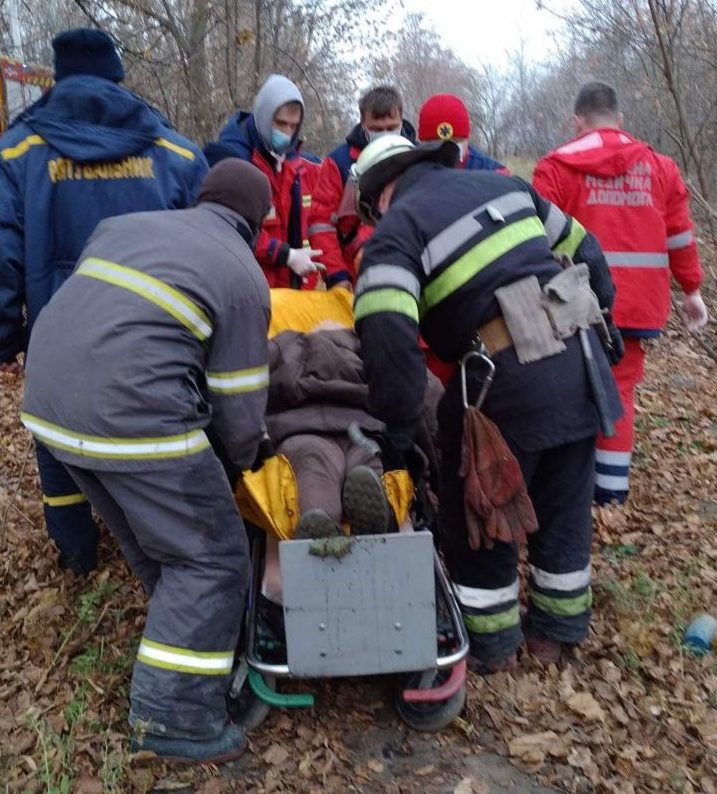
(384, 160)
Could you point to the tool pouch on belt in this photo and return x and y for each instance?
(528, 322)
(571, 304)
(496, 501)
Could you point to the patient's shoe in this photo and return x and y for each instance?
(229, 745)
(366, 504)
(316, 523)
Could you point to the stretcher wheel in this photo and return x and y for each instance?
(247, 709)
(429, 716)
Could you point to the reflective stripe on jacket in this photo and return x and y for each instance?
(635, 202)
(86, 151)
(448, 242)
(161, 330)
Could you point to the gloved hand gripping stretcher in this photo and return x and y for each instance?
(352, 605)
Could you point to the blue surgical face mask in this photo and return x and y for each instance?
(280, 141)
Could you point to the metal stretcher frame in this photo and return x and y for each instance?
(283, 671)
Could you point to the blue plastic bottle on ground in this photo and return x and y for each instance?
(701, 634)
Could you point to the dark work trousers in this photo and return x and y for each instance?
(560, 484)
(67, 514)
(183, 536)
(320, 464)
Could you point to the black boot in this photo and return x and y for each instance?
(228, 746)
(366, 504)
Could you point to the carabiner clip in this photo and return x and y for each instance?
(481, 354)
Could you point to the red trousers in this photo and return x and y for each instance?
(613, 455)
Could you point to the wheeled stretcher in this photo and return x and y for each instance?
(353, 605)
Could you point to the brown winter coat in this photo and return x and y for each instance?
(317, 386)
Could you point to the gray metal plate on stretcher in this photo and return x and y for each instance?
(372, 610)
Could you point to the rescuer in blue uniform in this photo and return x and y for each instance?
(87, 150)
(464, 258)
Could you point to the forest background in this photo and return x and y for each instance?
(199, 60)
(633, 712)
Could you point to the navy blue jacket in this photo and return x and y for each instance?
(88, 150)
(449, 240)
(239, 138)
(346, 154)
(477, 160)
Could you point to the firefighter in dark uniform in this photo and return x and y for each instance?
(459, 257)
(155, 344)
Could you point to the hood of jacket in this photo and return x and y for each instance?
(603, 152)
(239, 138)
(276, 91)
(88, 118)
(357, 137)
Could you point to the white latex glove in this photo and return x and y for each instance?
(694, 311)
(301, 261)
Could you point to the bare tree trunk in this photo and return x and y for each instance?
(663, 31)
(198, 84)
(231, 27)
(258, 21)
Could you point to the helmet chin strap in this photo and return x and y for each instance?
(368, 211)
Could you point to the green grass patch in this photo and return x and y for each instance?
(619, 553)
(650, 422)
(55, 768)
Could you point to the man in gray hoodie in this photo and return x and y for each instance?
(160, 332)
(269, 138)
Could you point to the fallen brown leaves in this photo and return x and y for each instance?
(631, 712)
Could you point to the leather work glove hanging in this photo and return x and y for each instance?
(497, 505)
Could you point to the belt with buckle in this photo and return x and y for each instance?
(495, 335)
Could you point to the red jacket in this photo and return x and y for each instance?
(334, 225)
(296, 178)
(635, 202)
(286, 226)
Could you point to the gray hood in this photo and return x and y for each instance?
(276, 91)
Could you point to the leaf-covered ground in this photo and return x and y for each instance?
(631, 712)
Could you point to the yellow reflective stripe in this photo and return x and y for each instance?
(478, 258)
(186, 153)
(239, 381)
(385, 300)
(569, 245)
(64, 501)
(115, 448)
(562, 607)
(489, 624)
(19, 149)
(306, 200)
(183, 660)
(152, 289)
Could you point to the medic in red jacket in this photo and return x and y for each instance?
(634, 200)
(334, 226)
(268, 137)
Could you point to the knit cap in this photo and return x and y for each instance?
(86, 51)
(442, 117)
(241, 187)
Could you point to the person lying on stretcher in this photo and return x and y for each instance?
(316, 392)
(317, 480)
